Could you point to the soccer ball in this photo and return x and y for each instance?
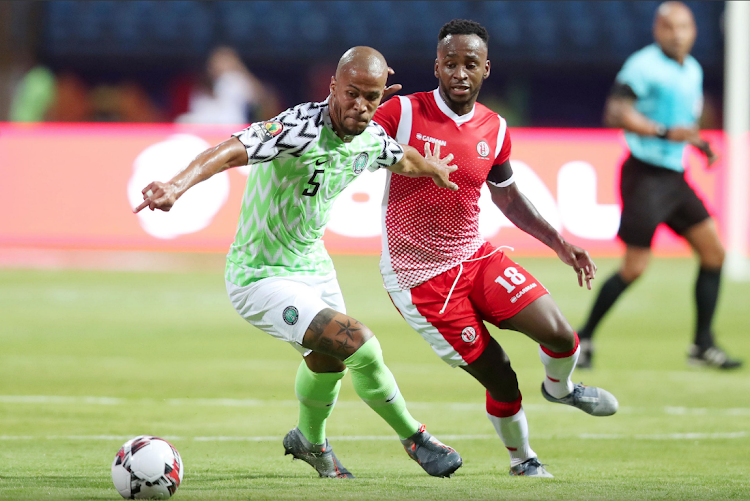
(147, 467)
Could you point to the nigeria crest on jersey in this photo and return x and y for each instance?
(290, 315)
(360, 162)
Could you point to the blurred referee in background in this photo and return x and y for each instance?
(658, 98)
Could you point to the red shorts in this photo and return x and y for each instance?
(489, 289)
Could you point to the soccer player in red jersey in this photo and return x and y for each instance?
(445, 280)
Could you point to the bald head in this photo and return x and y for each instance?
(357, 89)
(671, 10)
(674, 29)
(362, 60)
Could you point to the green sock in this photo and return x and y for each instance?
(317, 393)
(375, 384)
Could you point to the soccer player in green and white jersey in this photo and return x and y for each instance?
(279, 276)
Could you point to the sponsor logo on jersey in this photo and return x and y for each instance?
(360, 162)
(291, 315)
(469, 334)
(523, 291)
(265, 131)
(483, 148)
(423, 137)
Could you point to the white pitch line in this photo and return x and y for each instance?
(368, 438)
(348, 404)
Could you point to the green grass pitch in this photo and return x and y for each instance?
(90, 359)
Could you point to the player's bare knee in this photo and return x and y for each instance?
(713, 259)
(563, 339)
(335, 334)
(361, 335)
(506, 369)
(558, 335)
(630, 274)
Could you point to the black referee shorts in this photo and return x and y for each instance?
(652, 195)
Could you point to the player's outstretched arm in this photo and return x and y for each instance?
(620, 113)
(412, 164)
(523, 214)
(162, 196)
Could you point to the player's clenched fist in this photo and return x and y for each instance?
(158, 195)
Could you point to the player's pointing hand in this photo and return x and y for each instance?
(442, 167)
(158, 195)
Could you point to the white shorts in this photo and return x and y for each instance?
(284, 307)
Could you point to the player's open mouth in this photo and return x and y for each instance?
(460, 90)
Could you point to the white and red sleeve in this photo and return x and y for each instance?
(388, 115)
(502, 150)
(501, 174)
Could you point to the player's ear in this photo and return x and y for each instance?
(437, 75)
(332, 87)
(486, 69)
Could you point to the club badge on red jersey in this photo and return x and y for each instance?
(483, 148)
(469, 334)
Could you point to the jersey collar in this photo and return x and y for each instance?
(459, 119)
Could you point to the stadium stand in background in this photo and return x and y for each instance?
(554, 61)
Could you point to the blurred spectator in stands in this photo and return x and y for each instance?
(72, 100)
(34, 95)
(234, 96)
(319, 81)
(125, 102)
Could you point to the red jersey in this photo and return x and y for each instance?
(426, 229)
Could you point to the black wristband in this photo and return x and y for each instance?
(661, 131)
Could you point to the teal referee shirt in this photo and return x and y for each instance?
(668, 93)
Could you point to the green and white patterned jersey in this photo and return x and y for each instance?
(301, 166)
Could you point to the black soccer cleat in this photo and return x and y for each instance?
(436, 458)
(319, 457)
(711, 357)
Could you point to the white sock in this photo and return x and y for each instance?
(558, 369)
(514, 432)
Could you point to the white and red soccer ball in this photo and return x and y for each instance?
(147, 467)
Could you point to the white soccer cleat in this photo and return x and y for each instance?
(589, 399)
(530, 468)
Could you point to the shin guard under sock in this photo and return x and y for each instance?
(511, 426)
(559, 367)
(706, 297)
(317, 394)
(375, 384)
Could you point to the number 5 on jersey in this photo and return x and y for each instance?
(514, 275)
(310, 192)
